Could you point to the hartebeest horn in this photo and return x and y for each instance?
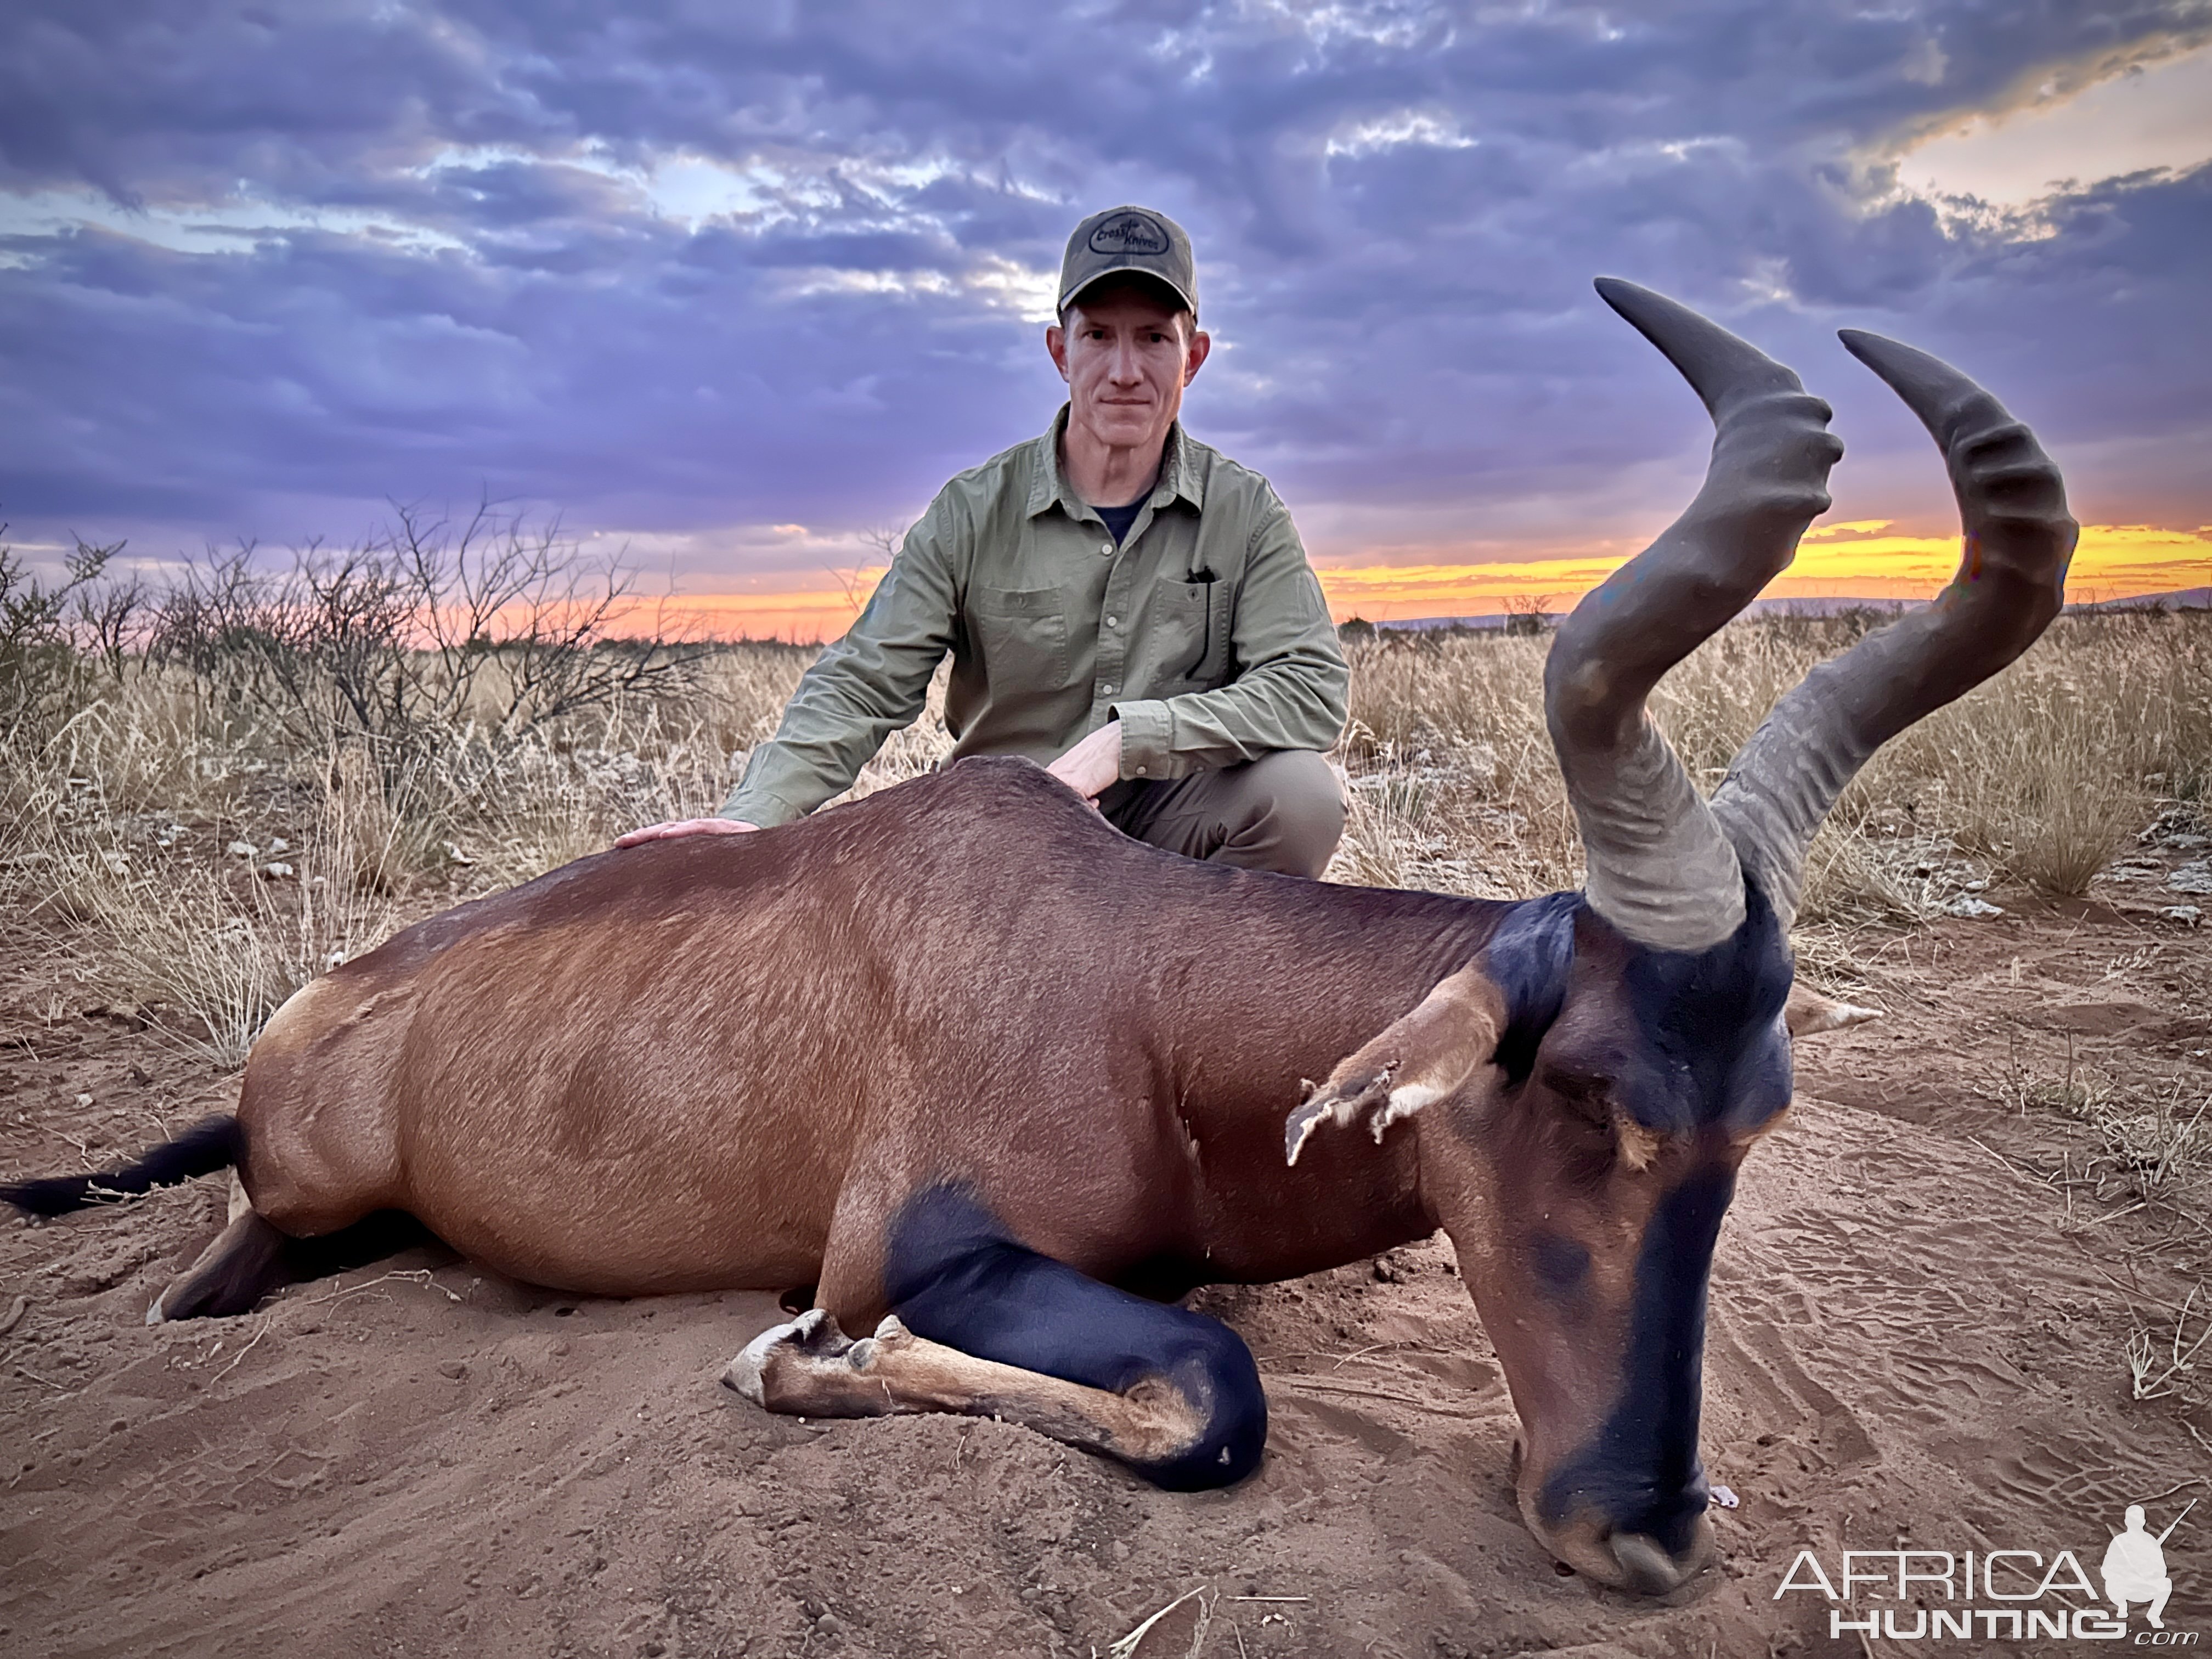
(1660, 869)
(2011, 582)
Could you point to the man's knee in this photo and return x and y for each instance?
(1300, 806)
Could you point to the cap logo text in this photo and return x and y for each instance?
(1129, 233)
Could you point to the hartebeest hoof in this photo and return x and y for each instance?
(813, 1335)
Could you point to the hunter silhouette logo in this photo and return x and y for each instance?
(2135, 1566)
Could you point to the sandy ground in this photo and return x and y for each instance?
(1917, 1337)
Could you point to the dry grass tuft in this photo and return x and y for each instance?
(2042, 776)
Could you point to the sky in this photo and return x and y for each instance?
(731, 289)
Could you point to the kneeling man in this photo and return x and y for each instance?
(2135, 1570)
(1122, 604)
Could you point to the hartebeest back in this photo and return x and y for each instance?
(993, 1076)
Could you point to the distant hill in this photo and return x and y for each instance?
(2181, 598)
(2185, 598)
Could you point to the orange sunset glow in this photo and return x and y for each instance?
(1860, 559)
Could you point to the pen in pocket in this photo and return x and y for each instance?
(1202, 575)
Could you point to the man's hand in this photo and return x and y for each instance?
(1093, 765)
(687, 827)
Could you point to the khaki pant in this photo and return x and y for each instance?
(1283, 812)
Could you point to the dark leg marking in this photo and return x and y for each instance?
(954, 1277)
(251, 1257)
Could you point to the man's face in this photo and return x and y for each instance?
(1126, 356)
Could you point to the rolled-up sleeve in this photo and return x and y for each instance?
(870, 684)
(1290, 689)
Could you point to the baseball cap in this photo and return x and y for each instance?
(1129, 239)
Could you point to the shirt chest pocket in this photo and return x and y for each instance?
(1021, 634)
(1189, 632)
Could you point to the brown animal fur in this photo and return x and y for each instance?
(814, 1035)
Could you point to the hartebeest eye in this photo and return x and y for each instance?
(1580, 1119)
(1584, 1091)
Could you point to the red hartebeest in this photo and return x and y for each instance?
(991, 1077)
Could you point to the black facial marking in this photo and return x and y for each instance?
(1527, 960)
(1560, 1264)
(1641, 1469)
(954, 1276)
(1706, 1043)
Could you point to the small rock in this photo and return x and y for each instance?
(829, 1624)
(84, 1100)
(275, 870)
(2195, 877)
(453, 1370)
(1967, 905)
(241, 849)
(278, 844)
(1725, 1498)
(2187, 914)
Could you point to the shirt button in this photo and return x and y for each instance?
(1106, 548)
(1141, 771)
(1108, 690)
(1113, 621)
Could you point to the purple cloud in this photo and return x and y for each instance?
(678, 270)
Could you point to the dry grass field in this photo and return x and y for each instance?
(1964, 1297)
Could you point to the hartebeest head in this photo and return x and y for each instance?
(1589, 1085)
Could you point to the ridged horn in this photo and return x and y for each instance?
(1660, 868)
(2011, 583)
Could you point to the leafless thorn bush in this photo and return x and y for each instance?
(56, 640)
(434, 637)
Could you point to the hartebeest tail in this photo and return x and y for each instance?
(212, 1144)
(1000, 1081)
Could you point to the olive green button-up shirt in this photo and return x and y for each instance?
(1204, 632)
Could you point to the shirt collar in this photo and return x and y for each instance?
(1179, 472)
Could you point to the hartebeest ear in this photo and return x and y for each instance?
(1807, 1013)
(1415, 1062)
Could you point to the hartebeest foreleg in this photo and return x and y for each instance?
(985, 1325)
(809, 1367)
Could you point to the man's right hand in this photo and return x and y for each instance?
(687, 827)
